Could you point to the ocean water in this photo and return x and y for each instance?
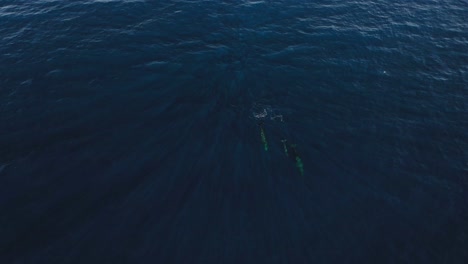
(155, 131)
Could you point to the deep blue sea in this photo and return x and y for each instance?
(233, 131)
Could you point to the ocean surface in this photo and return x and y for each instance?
(237, 131)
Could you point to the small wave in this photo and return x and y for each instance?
(252, 3)
(3, 167)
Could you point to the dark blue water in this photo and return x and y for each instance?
(130, 131)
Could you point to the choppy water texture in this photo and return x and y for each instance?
(130, 131)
